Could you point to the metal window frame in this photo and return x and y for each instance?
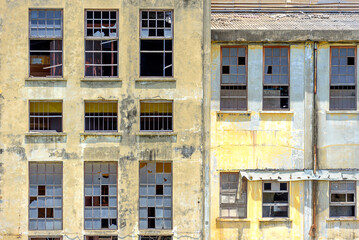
(355, 77)
(44, 237)
(342, 204)
(62, 198)
(96, 102)
(220, 194)
(92, 38)
(157, 101)
(113, 237)
(139, 185)
(155, 237)
(46, 101)
(47, 38)
(276, 204)
(246, 84)
(84, 201)
(286, 85)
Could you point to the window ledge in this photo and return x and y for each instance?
(276, 112)
(45, 79)
(342, 112)
(101, 134)
(101, 79)
(234, 112)
(342, 219)
(280, 219)
(156, 232)
(156, 133)
(150, 79)
(45, 134)
(222, 219)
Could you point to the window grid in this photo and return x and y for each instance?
(101, 116)
(45, 200)
(45, 116)
(155, 195)
(46, 24)
(342, 199)
(233, 196)
(101, 24)
(343, 78)
(275, 199)
(100, 195)
(276, 78)
(156, 115)
(155, 238)
(101, 238)
(45, 238)
(234, 78)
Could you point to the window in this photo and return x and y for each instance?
(45, 201)
(233, 196)
(100, 116)
(101, 237)
(276, 78)
(234, 78)
(275, 199)
(156, 36)
(100, 196)
(45, 43)
(155, 238)
(155, 195)
(101, 42)
(45, 116)
(343, 79)
(342, 199)
(156, 116)
(45, 238)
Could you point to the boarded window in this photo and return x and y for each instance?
(101, 238)
(234, 78)
(276, 78)
(156, 36)
(343, 78)
(155, 238)
(156, 116)
(342, 199)
(100, 116)
(45, 116)
(275, 199)
(45, 200)
(45, 43)
(233, 196)
(155, 195)
(101, 45)
(100, 195)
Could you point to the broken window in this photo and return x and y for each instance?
(156, 36)
(45, 238)
(101, 44)
(343, 78)
(276, 78)
(45, 200)
(101, 237)
(100, 116)
(155, 195)
(234, 78)
(46, 116)
(45, 43)
(233, 196)
(342, 199)
(156, 116)
(100, 195)
(275, 199)
(155, 238)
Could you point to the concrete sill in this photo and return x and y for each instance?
(45, 134)
(233, 112)
(276, 112)
(342, 219)
(342, 112)
(156, 232)
(101, 134)
(156, 79)
(275, 220)
(219, 219)
(45, 79)
(98, 79)
(156, 134)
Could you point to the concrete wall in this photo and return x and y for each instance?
(128, 146)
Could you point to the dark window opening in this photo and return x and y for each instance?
(41, 190)
(275, 200)
(351, 61)
(269, 69)
(46, 58)
(283, 186)
(275, 97)
(225, 69)
(342, 199)
(241, 61)
(267, 186)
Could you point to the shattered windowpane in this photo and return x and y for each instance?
(342, 199)
(102, 24)
(275, 199)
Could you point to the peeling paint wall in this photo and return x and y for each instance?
(183, 147)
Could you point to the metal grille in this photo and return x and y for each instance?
(156, 37)
(45, 238)
(100, 195)
(45, 116)
(101, 237)
(155, 195)
(234, 78)
(275, 199)
(276, 78)
(155, 238)
(233, 196)
(101, 45)
(156, 116)
(100, 116)
(45, 201)
(342, 199)
(343, 79)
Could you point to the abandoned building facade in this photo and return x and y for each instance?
(189, 119)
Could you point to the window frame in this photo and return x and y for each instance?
(355, 77)
(155, 236)
(44, 237)
(46, 38)
(101, 101)
(341, 204)
(92, 38)
(274, 204)
(112, 237)
(263, 79)
(46, 101)
(156, 38)
(221, 76)
(156, 101)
